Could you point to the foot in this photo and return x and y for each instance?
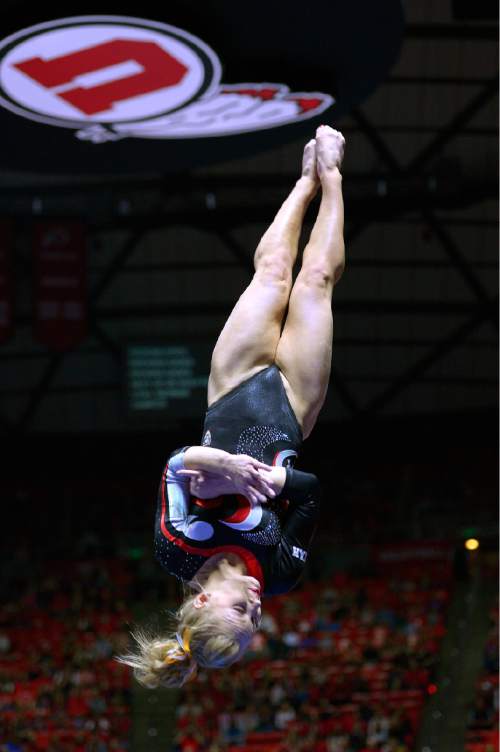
(329, 150)
(309, 173)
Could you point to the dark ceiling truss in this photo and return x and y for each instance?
(455, 125)
(460, 263)
(115, 267)
(478, 311)
(346, 341)
(419, 197)
(37, 394)
(487, 32)
(417, 164)
(111, 386)
(362, 308)
(415, 372)
(365, 263)
(437, 81)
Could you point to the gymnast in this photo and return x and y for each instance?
(234, 520)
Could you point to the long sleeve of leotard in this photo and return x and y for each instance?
(176, 494)
(304, 494)
(174, 522)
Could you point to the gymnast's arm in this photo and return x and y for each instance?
(304, 494)
(174, 495)
(218, 472)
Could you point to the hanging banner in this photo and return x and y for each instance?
(60, 283)
(6, 280)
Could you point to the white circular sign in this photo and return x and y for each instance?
(104, 69)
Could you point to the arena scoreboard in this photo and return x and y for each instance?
(169, 379)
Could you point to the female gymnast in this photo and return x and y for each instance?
(234, 519)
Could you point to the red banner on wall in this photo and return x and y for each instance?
(6, 280)
(60, 317)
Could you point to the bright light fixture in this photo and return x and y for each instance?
(471, 544)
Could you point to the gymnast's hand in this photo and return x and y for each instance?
(207, 485)
(240, 474)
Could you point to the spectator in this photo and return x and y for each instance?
(378, 728)
(284, 715)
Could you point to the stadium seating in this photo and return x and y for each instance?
(58, 682)
(335, 657)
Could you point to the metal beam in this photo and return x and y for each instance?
(346, 397)
(460, 263)
(336, 382)
(242, 256)
(400, 198)
(376, 140)
(368, 263)
(375, 378)
(109, 386)
(39, 392)
(169, 266)
(118, 262)
(454, 126)
(191, 185)
(106, 341)
(413, 373)
(480, 32)
(480, 343)
(362, 307)
(423, 129)
(437, 80)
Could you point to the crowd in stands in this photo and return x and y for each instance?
(342, 666)
(482, 721)
(60, 690)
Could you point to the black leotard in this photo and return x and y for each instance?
(274, 547)
(255, 418)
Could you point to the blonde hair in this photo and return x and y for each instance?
(199, 637)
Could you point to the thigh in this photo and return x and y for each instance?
(249, 339)
(304, 352)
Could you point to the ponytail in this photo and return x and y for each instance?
(160, 661)
(201, 637)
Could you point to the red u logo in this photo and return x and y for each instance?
(160, 70)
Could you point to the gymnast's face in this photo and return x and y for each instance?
(236, 601)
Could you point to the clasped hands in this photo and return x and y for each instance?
(240, 474)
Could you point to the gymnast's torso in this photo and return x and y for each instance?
(255, 418)
(272, 538)
(272, 544)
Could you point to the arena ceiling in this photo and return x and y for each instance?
(416, 313)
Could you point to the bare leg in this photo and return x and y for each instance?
(304, 351)
(248, 342)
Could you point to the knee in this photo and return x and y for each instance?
(274, 268)
(322, 276)
(318, 277)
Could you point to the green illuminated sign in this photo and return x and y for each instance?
(169, 377)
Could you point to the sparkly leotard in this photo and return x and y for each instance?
(255, 418)
(274, 548)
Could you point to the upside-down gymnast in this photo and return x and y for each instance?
(234, 520)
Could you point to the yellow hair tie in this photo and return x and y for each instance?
(184, 641)
(173, 654)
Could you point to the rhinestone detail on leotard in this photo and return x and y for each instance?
(254, 439)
